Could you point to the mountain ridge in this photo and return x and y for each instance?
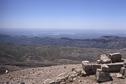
(101, 42)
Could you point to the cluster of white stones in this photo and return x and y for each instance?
(65, 78)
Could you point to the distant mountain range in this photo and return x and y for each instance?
(101, 42)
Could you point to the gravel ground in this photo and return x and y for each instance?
(38, 75)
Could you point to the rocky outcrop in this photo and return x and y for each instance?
(107, 64)
(65, 78)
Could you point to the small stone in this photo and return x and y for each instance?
(99, 61)
(73, 69)
(118, 75)
(54, 82)
(74, 79)
(63, 83)
(49, 81)
(79, 80)
(83, 73)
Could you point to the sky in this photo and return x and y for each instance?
(63, 14)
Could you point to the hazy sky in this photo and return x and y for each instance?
(63, 14)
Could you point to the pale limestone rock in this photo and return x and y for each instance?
(105, 59)
(118, 75)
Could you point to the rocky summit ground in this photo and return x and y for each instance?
(40, 74)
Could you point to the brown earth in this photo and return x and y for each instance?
(38, 75)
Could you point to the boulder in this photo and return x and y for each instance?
(90, 68)
(115, 57)
(104, 59)
(115, 67)
(102, 76)
(123, 72)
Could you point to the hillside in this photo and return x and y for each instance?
(38, 51)
(39, 55)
